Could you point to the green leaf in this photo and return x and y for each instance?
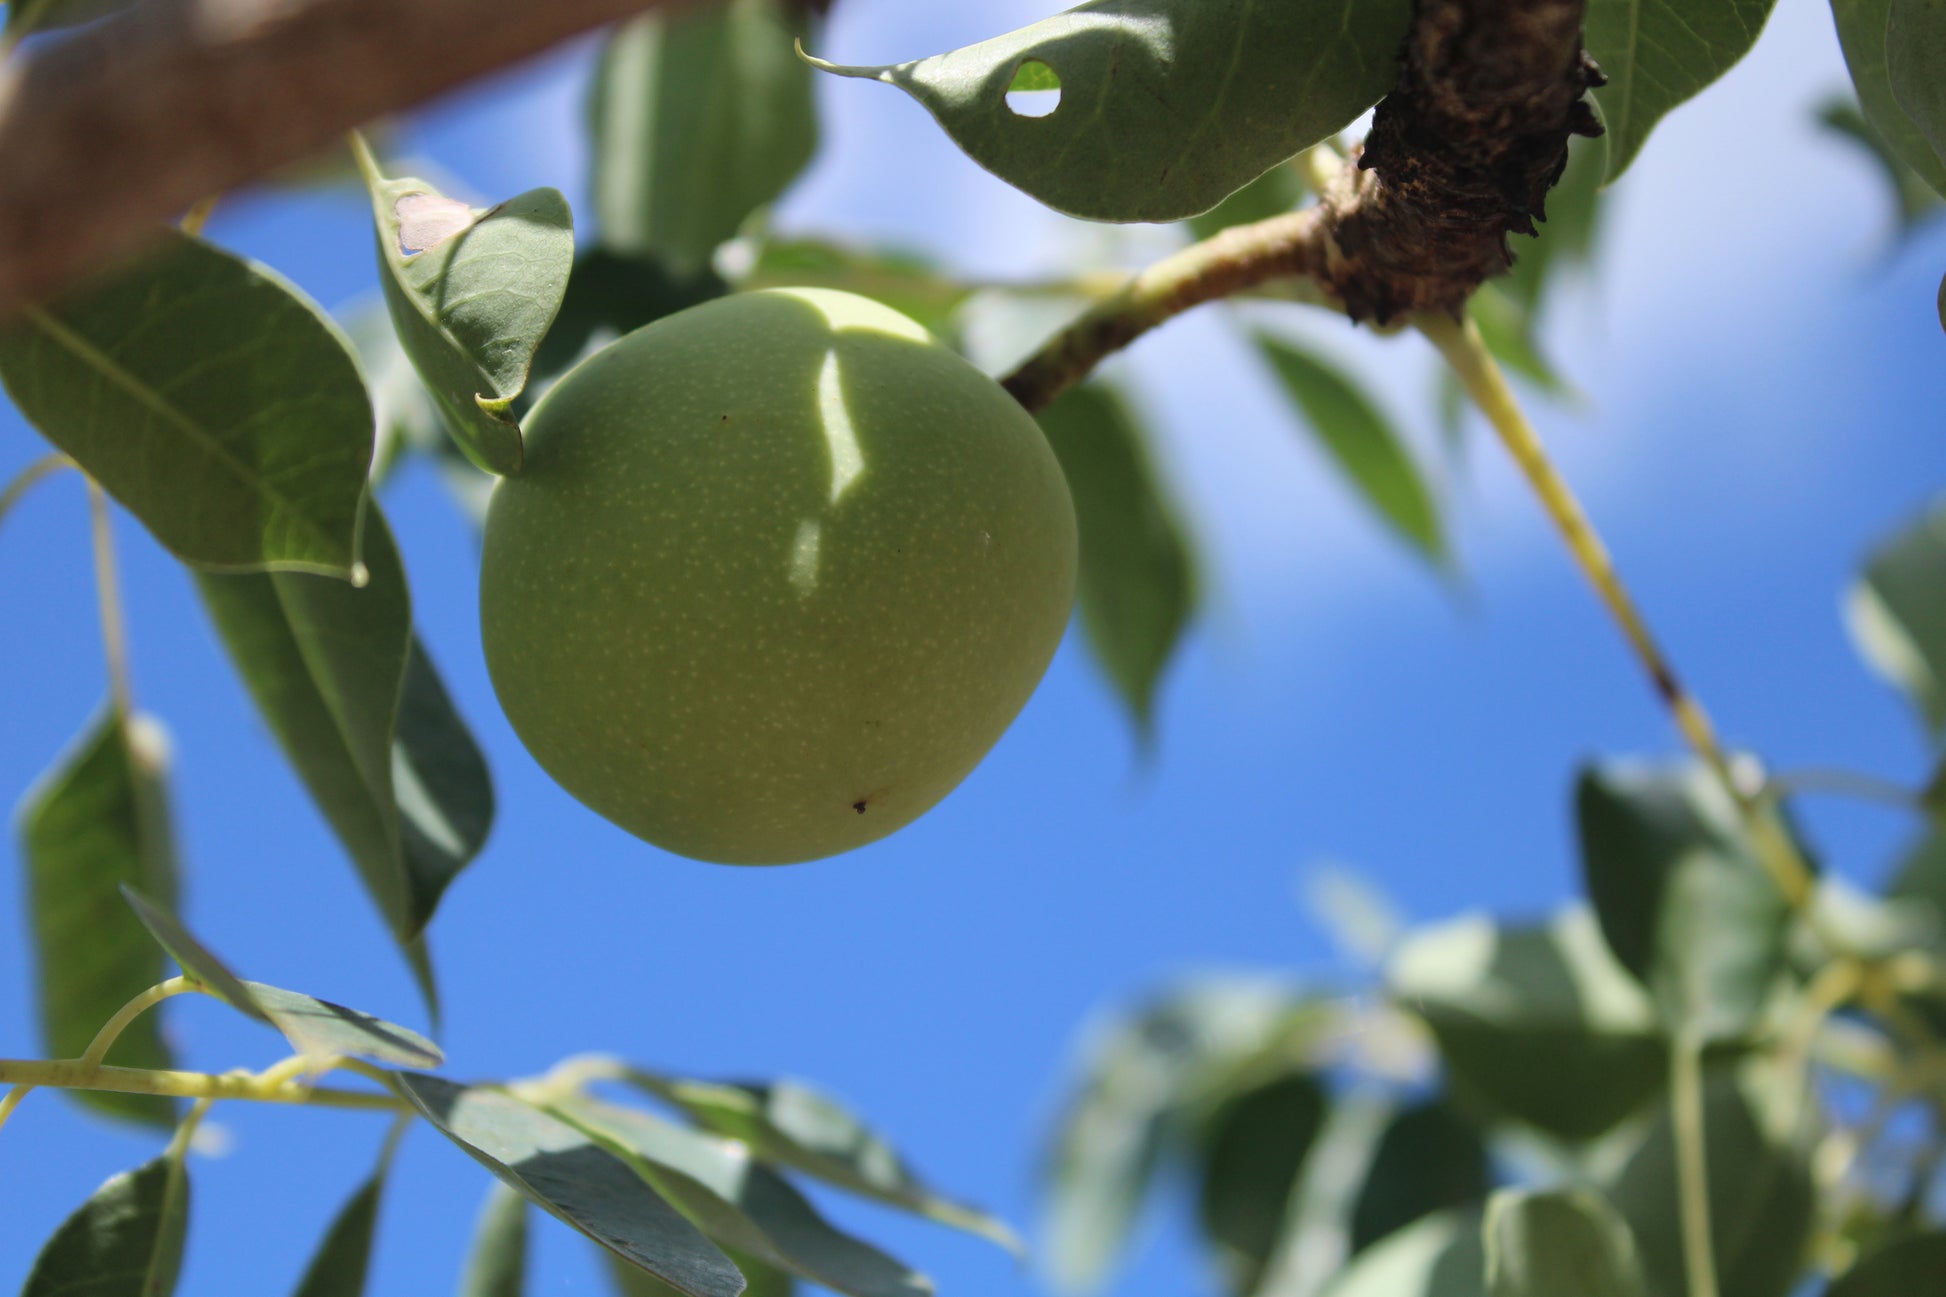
(1897, 617)
(1275, 192)
(698, 118)
(561, 1170)
(26, 16)
(496, 1265)
(1167, 106)
(1137, 585)
(312, 1026)
(97, 821)
(1429, 1158)
(472, 293)
(1682, 902)
(611, 294)
(1862, 27)
(1657, 54)
(792, 1125)
(125, 1241)
(344, 1256)
(211, 398)
(350, 694)
(1915, 63)
(1910, 1266)
(1255, 1147)
(1439, 1256)
(763, 1280)
(1537, 1023)
(1550, 1244)
(907, 282)
(1914, 197)
(1569, 225)
(1760, 1197)
(1360, 439)
(742, 1205)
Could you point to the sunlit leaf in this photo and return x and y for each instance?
(98, 821)
(1910, 192)
(1429, 1158)
(125, 1241)
(1137, 585)
(1862, 26)
(1553, 1244)
(1440, 1256)
(562, 1171)
(1254, 1148)
(1275, 192)
(496, 1264)
(698, 117)
(1657, 54)
(1905, 1268)
(1897, 618)
(1915, 63)
(215, 401)
(1167, 106)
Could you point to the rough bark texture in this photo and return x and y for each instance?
(107, 132)
(1461, 153)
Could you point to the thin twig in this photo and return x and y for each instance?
(1692, 1164)
(73, 1074)
(41, 469)
(112, 1029)
(108, 592)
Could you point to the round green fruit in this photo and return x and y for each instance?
(777, 573)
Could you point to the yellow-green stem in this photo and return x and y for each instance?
(12, 1099)
(45, 466)
(105, 1038)
(74, 1074)
(114, 635)
(198, 216)
(1692, 1164)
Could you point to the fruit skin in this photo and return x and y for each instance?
(780, 569)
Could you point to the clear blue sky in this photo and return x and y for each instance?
(1765, 384)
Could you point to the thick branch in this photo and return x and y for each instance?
(116, 128)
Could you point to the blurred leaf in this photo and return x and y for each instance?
(212, 399)
(741, 1204)
(496, 1265)
(793, 1125)
(1682, 902)
(1913, 196)
(1559, 1243)
(1136, 590)
(344, 1255)
(355, 703)
(125, 1241)
(1429, 1158)
(472, 294)
(1275, 192)
(1363, 443)
(907, 282)
(1508, 331)
(1906, 1268)
(611, 294)
(97, 821)
(1540, 1024)
(1915, 64)
(698, 118)
(1659, 55)
(1168, 106)
(763, 1280)
(1862, 26)
(1921, 875)
(1439, 1256)
(27, 16)
(1568, 227)
(565, 1173)
(1254, 1149)
(1898, 617)
(1760, 1196)
(312, 1026)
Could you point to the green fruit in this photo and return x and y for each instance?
(778, 572)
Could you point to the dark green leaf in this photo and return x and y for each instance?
(763, 1280)
(1137, 585)
(197, 963)
(497, 1264)
(1554, 1244)
(565, 1173)
(906, 282)
(1862, 26)
(212, 399)
(1682, 902)
(1167, 106)
(698, 118)
(98, 821)
(742, 1205)
(1914, 197)
(1898, 619)
(1255, 1146)
(351, 696)
(1428, 1159)
(1440, 1256)
(609, 295)
(1568, 227)
(1657, 55)
(1362, 442)
(344, 1256)
(126, 1241)
(1922, 874)
(1906, 1268)
(1275, 192)
(472, 293)
(1760, 1197)
(1539, 1024)
(1915, 63)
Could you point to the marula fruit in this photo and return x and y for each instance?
(778, 572)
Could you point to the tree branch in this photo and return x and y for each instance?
(113, 129)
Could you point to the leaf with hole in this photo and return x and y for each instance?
(1137, 584)
(1862, 31)
(125, 1241)
(496, 1263)
(1896, 619)
(1550, 1244)
(565, 1173)
(1166, 106)
(211, 398)
(96, 822)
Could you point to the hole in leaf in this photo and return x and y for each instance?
(1036, 90)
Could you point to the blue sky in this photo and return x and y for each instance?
(1765, 382)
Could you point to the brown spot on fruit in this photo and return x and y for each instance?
(858, 806)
